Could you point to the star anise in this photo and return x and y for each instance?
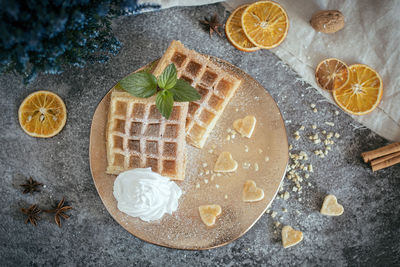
(33, 214)
(59, 212)
(31, 186)
(212, 24)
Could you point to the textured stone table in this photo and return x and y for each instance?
(366, 234)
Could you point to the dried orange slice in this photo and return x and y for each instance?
(332, 74)
(362, 93)
(234, 31)
(42, 114)
(265, 23)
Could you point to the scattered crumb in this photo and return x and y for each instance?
(256, 168)
(286, 195)
(314, 126)
(246, 148)
(266, 159)
(301, 128)
(336, 112)
(260, 150)
(312, 105)
(207, 172)
(337, 135)
(290, 147)
(217, 186)
(205, 165)
(246, 165)
(310, 168)
(226, 196)
(329, 123)
(206, 181)
(197, 185)
(315, 110)
(277, 224)
(273, 214)
(284, 210)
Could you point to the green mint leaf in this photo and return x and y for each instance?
(184, 92)
(164, 103)
(167, 79)
(140, 84)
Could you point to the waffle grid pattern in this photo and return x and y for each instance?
(139, 137)
(214, 84)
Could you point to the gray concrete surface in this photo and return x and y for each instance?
(366, 234)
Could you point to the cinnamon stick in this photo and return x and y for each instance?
(380, 152)
(386, 163)
(385, 158)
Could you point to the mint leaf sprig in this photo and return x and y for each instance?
(167, 87)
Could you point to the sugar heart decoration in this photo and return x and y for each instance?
(245, 126)
(331, 207)
(251, 193)
(225, 163)
(209, 213)
(290, 237)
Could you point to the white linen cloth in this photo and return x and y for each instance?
(371, 36)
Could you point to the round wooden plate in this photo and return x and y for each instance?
(262, 158)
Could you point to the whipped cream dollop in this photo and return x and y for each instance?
(146, 194)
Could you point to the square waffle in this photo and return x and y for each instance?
(138, 136)
(215, 85)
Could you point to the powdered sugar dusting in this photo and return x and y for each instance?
(184, 228)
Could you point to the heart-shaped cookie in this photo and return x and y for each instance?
(225, 163)
(290, 237)
(251, 193)
(245, 126)
(331, 207)
(209, 213)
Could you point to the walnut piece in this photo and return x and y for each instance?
(327, 21)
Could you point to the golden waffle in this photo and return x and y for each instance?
(138, 136)
(215, 85)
